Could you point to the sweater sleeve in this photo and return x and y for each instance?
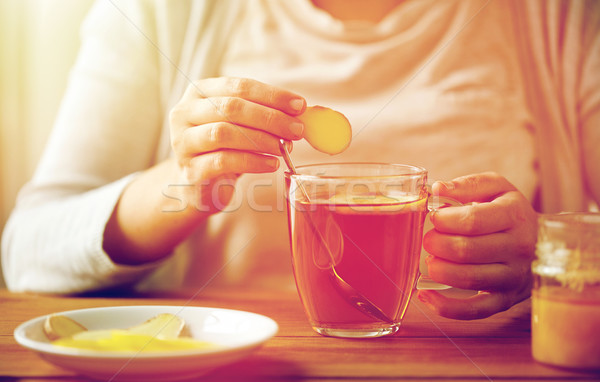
(56, 247)
(107, 129)
(559, 57)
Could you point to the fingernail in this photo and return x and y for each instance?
(273, 163)
(297, 129)
(448, 185)
(297, 104)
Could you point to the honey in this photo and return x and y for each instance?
(565, 316)
(564, 327)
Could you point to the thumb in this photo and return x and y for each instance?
(482, 187)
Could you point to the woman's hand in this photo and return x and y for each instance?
(485, 246)
(224, 127)
(221, 128)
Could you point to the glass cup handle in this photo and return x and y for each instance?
(434, 203)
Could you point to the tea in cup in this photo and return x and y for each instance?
(356, 231)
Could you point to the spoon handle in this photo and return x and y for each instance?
(286, 156)
(288, 162)
(353, 296)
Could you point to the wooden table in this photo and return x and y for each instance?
(427, 347)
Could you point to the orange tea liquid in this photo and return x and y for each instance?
(374, 247)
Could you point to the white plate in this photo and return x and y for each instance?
(237, 333)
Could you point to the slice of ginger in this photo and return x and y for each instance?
(162, 332)
(164, 325)
(127, 341)
(326, 130)
(57, 326)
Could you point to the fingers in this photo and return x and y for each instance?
(494, 276)
(233, 114)
(243, 102)
(221, 135)
(215, 164)
(496, 231)
(484, 249)
(240, 112)
(232, 126)
(474, 219)
(487, 245)
(496, 206)
(250, 90)
(481, 187)
(482, 305)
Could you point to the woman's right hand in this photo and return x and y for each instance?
(220, 129)
(224, 127)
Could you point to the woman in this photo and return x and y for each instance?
(161, 169)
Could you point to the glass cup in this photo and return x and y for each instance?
(565, 299)
(355, 232)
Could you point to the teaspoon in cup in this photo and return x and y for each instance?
(350, 294)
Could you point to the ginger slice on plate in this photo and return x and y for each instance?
(164, 325)
(57, 326)
(125, 341)
(163, 332)
(326, 130)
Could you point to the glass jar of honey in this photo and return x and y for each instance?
(565, 317)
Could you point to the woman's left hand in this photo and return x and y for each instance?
(487, 245)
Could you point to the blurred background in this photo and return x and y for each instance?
(39, 40)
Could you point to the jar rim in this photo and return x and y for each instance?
(585, 221)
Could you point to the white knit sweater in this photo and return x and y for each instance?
(459, 88)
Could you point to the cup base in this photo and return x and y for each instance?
(367, 332)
